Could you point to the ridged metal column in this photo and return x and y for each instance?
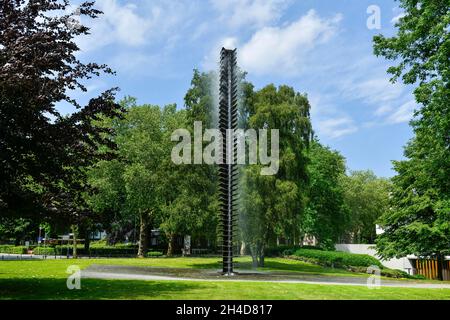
(227, 170)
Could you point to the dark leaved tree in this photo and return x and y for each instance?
(43, 154)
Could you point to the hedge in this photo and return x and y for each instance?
(336, 259)
(109, 251)
(286, 250)
(49, 251)
(154, 254)
(13, 249)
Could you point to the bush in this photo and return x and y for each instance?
(154, 254)
(95, 251)
(336, 259)
(49, 251)
(110, 252)
(103, 244)
(13, 249)
(98, 250)
(390, 273)
(286, 250)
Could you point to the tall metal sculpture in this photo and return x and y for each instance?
(227, 170)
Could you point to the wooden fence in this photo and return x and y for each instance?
(429, 268)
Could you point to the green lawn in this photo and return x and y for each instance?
(47, 280)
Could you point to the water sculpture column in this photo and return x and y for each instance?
(228, 171)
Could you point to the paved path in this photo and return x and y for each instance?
(11, 256)
(175, 274)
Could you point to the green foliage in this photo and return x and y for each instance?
(143, 181)
(336, 259)
(48, 251)
(120, 250)
(13, 249)
(419, 221)
(367, 198)
(17, 229)
(286, 250)
(326, 216)
(154, 254)
(390, 273)
(272, 204)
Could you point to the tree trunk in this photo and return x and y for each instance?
(171, 244)
(242, 251)
(261, 256)
(142, 235)
(254, 254)
(87, 240)
(440, 261)
(74, 231)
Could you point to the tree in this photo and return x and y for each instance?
(128, 185)
(419, 222)
(367, 198)
(17, 229)
(272, 204)
(143, 181)
(326, 216)
(44, 154)
(200, 106)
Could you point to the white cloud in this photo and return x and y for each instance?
(398, 14)
(382, 110)
(130, 25)
(281, 49)
(372, 89)
(336, 127)
(211, 60)
(403, 114)
(252, 13)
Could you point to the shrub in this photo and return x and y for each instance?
(336, 259)
(103, 244)
(111, 251)
(154, 254)
(286, 250)
(96, 251)
(49, 251)
(13, 249)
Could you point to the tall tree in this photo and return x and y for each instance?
(419, 222)
(326, 216)
(43, 154)
(200, 105)
(144, 182)
(272, 204)
(129, 185)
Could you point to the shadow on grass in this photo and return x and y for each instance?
(56, 289)
(271, 265)
(304, 267)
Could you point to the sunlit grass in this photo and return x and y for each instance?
(46, 279)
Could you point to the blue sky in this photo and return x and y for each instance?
(322, 48)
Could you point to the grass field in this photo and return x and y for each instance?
(46, 279)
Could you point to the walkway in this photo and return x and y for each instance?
(185, 274)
